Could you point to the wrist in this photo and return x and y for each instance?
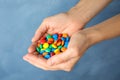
(85, 10)
(93, 35)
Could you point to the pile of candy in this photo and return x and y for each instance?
(52, 44)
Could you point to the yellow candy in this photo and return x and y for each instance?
(57, 51)
(54, 46)
(45, 53)
(45, 45)
(42, 49)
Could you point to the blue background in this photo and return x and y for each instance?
(19, 19)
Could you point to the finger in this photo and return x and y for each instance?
(68, 65)
(56, 59)
(40, 32)
(34, 63)
(39, 62)
(32, 48)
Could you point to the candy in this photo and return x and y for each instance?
(50, 40)
(59, 47)
(55, 36)
(67, 39)
(45, 45)
(42, 41)
(63, 49)
(45, 53)
(66, 44)
(62, 38)
(65, 35)
(48, 50)
(48, 36)
(62, 43)
(55, 42)
(52, 54)
(41, 46)
(38, 49)
(52, 45)
(47, 56)
(57, 51)
(42, 51)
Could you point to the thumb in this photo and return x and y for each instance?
(40, 32)
(62, 57)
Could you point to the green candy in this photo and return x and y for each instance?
(48, 50)
(59, 47)
(41, 46)
(48, 36)
(38, 49)
(50, 46)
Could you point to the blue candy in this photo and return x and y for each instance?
(62, 38)
(55, 36)
(42, 51)
(66, 44)
(47, 56)
(67, 39)
(52, 49)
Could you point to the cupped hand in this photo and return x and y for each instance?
(63, 61)
(60, 23)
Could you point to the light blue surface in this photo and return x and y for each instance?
(19, 19)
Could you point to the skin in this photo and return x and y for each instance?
(70, 22)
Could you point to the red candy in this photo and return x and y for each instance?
(52, 54)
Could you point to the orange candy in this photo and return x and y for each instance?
(65, 35)
(45, 53)
(50, 40)
(59, 42)
(63, 49)
(62, 43)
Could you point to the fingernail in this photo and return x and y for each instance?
(50, 62)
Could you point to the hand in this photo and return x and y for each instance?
(64, 61)
(61, 23)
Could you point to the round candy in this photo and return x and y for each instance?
(52, 54)
(48, 36)
(57, 51)
(63, 49)
(59, 47)
(55, 36)
(62, 43)
(65, 35)
(45, 53)
(47, 56)
(48, 50)
(52, 45)
(50, 40)
(45, 45)
(41, 46)
(38, 49)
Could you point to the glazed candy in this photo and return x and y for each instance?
(52, 44)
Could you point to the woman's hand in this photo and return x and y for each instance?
(60, 23)
(78, 44)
